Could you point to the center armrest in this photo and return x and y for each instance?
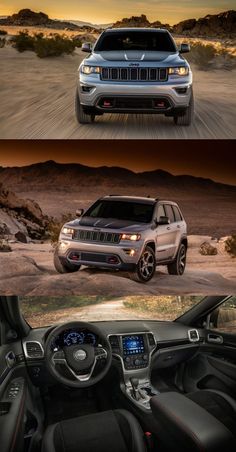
(187, 426)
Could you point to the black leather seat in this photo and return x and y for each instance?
(202, 421)
(109, 431)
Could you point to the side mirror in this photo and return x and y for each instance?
(86, 47)
(184, 48)
(79, 212)
(163, 221)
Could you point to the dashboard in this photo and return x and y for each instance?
(74, 337)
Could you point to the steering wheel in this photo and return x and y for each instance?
(78, 360)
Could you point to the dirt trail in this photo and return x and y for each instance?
(37, 101)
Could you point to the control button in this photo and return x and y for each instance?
(127, 359)
(137, 362)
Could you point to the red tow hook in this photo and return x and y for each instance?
(149, 441)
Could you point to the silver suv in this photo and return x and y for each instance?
(135, 70)
(133, 234)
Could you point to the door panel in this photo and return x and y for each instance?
(214, 367)
(12, 401)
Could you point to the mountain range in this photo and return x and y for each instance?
(220, 25)
(51, 175)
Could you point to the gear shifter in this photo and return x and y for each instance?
(134, 383)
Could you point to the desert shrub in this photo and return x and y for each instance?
(23, 41)
(4, 246)
(54, 46)
(163, 307)
(206, 249)
(230, 245)
(77, 42)
(202, 55)
(2, 43)
(55, 225)
(43, 46)
(3, 32)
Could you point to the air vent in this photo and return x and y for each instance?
(33, 350)
(193, 335)
(151, 339)
(115, 344)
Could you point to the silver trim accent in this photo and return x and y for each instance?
(10, 361)
(25, 349)
(189, 335)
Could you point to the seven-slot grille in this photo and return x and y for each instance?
(134, 74)
(96, 236)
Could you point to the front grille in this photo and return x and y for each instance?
(96, 236)
(134, 74)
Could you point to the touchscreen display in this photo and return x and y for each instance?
(133, 345)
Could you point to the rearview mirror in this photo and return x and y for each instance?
(163, 221)
(86, 47)
(79, 212)
(184, 48)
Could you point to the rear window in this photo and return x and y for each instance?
(178, 216)
(156, 41)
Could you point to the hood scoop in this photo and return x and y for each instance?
(134, 56)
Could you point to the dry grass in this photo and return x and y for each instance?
(163, 307)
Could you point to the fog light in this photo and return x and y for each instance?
(86, 88)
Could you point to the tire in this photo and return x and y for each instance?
(64, 268)
(187, 118)
(82, 118)
(178, 266)
(146, 266)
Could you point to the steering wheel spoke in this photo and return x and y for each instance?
(58, 357)
(100, 353)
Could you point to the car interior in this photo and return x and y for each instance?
(119, 385)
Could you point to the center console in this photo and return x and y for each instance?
(134, 352)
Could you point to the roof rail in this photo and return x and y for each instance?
(114, 194)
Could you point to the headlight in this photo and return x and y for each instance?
(67, 231)
(90, 70)
(133, 237)
(182, 70)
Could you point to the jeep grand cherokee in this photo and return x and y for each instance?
(135, 71)
(125, 233)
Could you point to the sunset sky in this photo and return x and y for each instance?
(210, 159)
(106, 11)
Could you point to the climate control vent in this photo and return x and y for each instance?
(151, 340)
(33, 350)
(193, 335)
(115, 343)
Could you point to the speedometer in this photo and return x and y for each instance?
(73, 338)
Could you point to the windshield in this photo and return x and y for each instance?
(122, 210)
(45, 311)
(156, 41)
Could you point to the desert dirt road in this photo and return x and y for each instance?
(29, 270)
(37, 102)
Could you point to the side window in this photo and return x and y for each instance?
(223, 319)
(160, 212)
(169, 213)
(178, 216)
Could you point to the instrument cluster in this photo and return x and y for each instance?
(74, 337)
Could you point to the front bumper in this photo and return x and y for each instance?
(174, 94)
(121, 257)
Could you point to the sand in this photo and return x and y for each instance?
(37, 101)
(29, 270)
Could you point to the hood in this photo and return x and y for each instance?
(107, 223)
(129, 57)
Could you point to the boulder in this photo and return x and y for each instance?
(206, 249)
(21, 237)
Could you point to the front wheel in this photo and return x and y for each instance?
(187, 117)
(145, 267)
(178, 266)
(62, 267)
(81, 116)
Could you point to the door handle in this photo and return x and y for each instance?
(178, 226)
(215, 338)
(168, 228)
